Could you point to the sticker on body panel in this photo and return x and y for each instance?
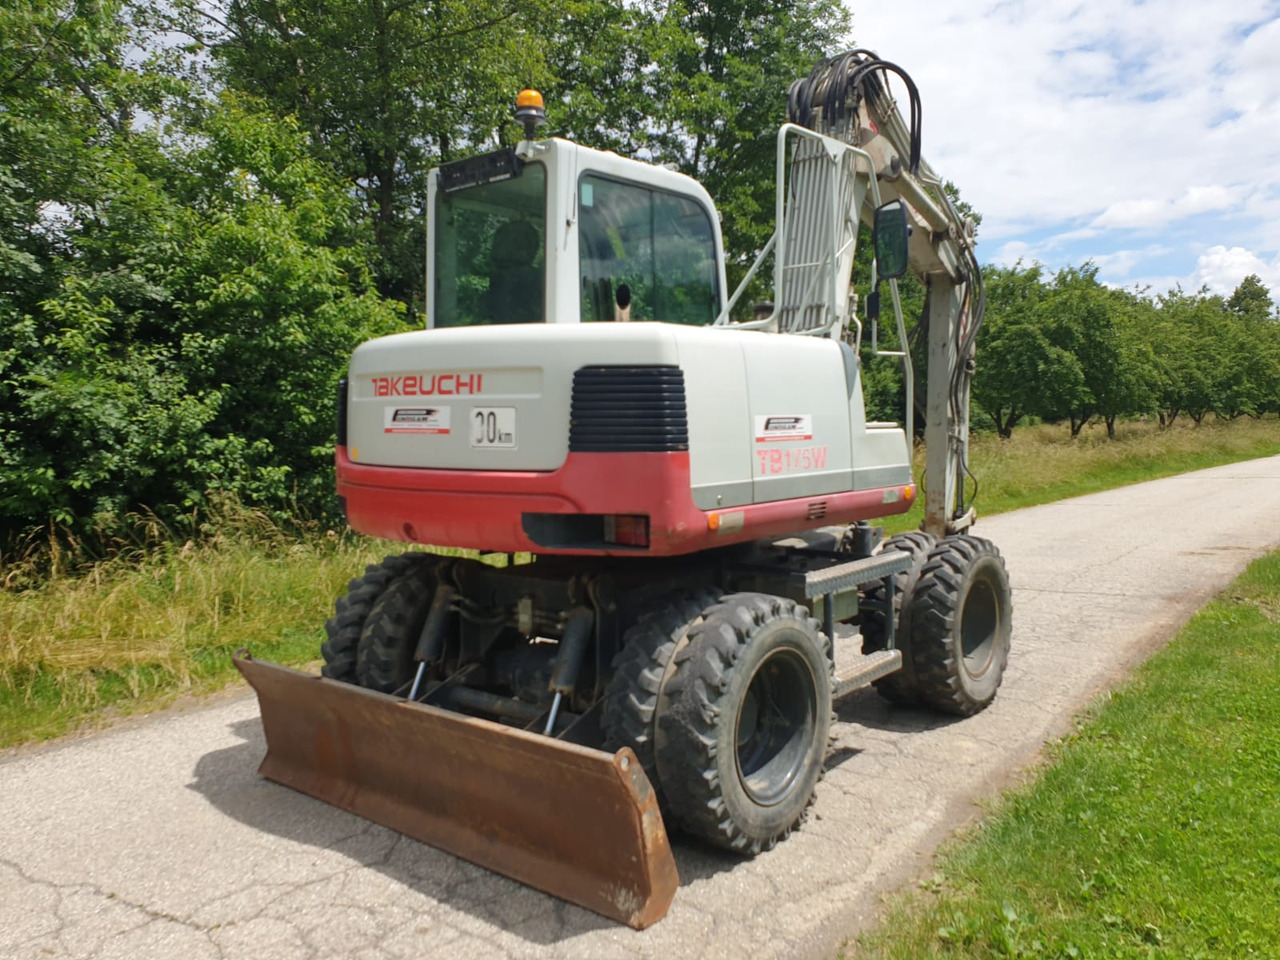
(493, 426)
(776, 427)
(432, 420)
(773, 460)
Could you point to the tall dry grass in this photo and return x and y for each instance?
(163, 616)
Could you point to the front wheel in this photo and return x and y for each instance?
(961, 621)
(743, 735)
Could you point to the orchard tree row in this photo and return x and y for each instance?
(1066, 348)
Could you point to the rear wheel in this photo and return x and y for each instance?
(629, 714)
(384, 657)
(344, 628)
(961, 621)
(743, 732)
(898, 687)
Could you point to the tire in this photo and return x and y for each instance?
(749, 656)
(384, 657)
(343, 629)
(898, 687)
(961, 621)
(629, 713)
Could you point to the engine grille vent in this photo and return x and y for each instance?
(628, 409)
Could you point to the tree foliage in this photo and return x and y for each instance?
(176, 309)
(385, 89)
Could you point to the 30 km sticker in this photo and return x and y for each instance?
(493, 426)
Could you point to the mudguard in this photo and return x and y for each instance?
(578, 823)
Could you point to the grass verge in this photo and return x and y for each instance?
(139, 630)
(1154, 831)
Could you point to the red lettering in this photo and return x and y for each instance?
(424, 385)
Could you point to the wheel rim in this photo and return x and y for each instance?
(775, 724)
(979, 624)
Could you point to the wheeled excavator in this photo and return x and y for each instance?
(637, 517)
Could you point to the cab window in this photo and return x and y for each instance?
(490, 260)
(644, 254)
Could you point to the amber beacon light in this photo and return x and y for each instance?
(530, 112)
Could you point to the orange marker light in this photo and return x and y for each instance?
(909, 492)
(713, 522)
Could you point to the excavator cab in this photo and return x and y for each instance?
(551, 231)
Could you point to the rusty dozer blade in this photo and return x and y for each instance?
(578, 823)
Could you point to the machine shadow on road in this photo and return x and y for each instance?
(228, 779)
(868, 709)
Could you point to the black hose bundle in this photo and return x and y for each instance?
(839, 84)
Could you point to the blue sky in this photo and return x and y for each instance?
(1144, 136)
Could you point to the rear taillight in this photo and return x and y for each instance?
(627, 530)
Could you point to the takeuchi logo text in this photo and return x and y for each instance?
(428, 385)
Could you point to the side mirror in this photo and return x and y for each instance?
(890, 235)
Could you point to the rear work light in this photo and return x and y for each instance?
(627, 530)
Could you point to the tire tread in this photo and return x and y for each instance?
(704, 672)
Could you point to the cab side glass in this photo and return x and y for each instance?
(891, 233)
(645, 254)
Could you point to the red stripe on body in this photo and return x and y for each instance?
(483, 509)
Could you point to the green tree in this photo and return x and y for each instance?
(1084, 318)
(272, 289)
(1191, 346)
(699, 84)
(177, 300)
(1020, 371)
(1253, 354)
(1251, 299)
(385, 89)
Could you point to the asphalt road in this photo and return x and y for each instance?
(157, 839)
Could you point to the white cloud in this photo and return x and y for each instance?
(1013, 251)
(1120, 263)
(1221, 269)
(1058, 117)
(1147, 214)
